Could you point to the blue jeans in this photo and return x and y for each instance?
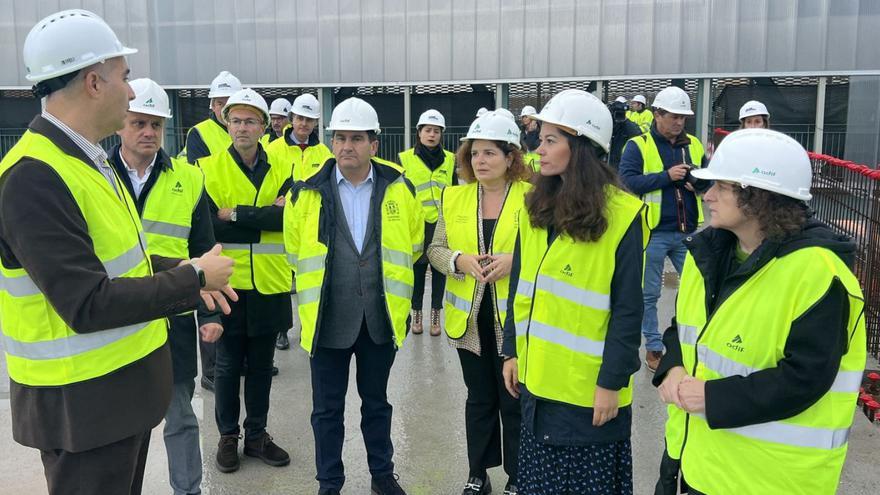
(182, 441)
(661, 246)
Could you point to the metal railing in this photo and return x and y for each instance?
(847, 197)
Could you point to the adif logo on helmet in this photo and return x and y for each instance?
(432, 117)
(768, 173)
(150, 103)
(224, 85)
(591, 124)
(308, 107)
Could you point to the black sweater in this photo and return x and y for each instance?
(815, 345)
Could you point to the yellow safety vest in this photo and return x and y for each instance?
(41, 349)
(215, 137)
(533, 161)
(167, 215)
(643, 119)
(402, 235)
(429, 184)
(653, 164)
(259, 266)
(459, 207)
(747, 333)
(303, 163)
(562, 305)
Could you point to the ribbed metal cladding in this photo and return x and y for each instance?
(362, 42)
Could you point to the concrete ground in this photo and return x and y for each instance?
(428, 394)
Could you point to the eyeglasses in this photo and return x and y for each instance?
(245, 122)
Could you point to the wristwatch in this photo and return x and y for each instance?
(233, 216)
(201, 273)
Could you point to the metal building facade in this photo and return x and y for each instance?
(184, 43)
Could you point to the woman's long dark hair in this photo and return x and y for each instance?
(574, 202)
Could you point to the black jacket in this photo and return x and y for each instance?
(201, 240)
(266, 313)
(621, 133)
(566, 424)
(816, 343)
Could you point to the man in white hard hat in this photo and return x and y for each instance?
(279, 120)
(301, 148)
(246, 189)
(639, 114)
(530, 128)
(169, 195)
(656, 166)
(211, 136)
(352, 232)
(82, 305)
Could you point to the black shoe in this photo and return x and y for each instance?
(328, 491)
(476, 486)
(282, 343)
(274, 370)
(208, 383)
(265, 449)
(386, 485)
(227, 454)
(510, 489)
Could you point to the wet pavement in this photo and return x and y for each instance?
(427, 392)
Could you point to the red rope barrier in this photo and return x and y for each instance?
(871, 173)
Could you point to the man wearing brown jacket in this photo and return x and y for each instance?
(81, 305)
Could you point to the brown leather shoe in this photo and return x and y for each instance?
(415, 326)
(435, 322)
(652, 359)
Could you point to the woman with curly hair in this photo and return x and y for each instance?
(572, 334)
(766, 352)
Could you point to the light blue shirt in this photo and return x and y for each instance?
(356, 205)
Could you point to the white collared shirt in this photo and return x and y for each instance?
(93, 151)
(356, 205)
(137, 183)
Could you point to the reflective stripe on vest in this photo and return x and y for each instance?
(303, 163)
(402, 231)
(460, 205)
(261, 265)
(562, 305)
(653, 164)
(810, 446)
(429, 183)
(168, 210)
(41, 349)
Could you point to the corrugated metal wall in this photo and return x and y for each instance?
(363, 42)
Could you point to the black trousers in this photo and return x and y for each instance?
(669, 482)
(330, 368)
(492, 415)
(438, 286)
(116, 468)
(232, 348)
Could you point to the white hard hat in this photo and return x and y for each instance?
(528, 111)
(306, 105)
(764, 159)
(620, 99)
(752, 108)
(505, 112)
(68, 41)
(249, 98)
(149, 98)
(354, 114)
(432, 117)
(224, 85)
(581, 112)
(482, 111)
(494, 126)
(674, 100)
(640, 99)
(279, 106)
